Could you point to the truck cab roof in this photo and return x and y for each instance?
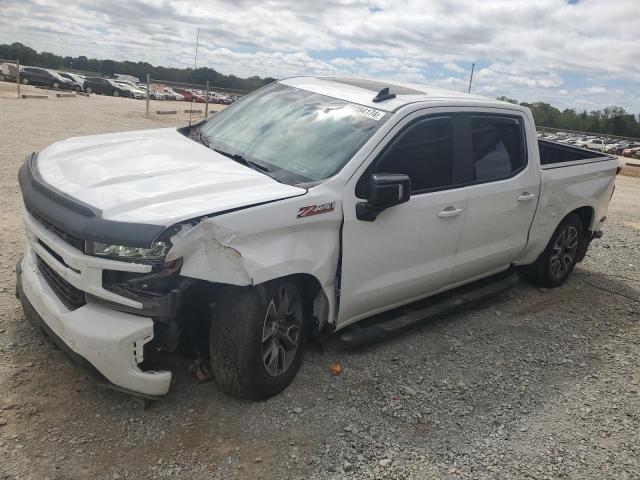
(363, 91)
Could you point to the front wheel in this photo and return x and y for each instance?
(25, 81)
(256, 339)
(555, 264)
(116, 93)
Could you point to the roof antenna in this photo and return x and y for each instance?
(383, 95)
(195, 62)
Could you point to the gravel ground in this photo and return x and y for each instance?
(535, 384)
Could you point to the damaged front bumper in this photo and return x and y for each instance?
(108, 343)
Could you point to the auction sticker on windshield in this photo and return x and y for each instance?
(371, 113)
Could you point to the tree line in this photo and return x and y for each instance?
(609, 121)
(93, 66)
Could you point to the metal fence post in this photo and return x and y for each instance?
(206, 100)
(18, 76)
(148, 92)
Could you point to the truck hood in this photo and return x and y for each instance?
(154, 176)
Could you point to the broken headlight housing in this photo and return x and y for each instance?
(157, 251)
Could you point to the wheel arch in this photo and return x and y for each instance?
(585, 214)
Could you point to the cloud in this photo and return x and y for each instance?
(453, 67)
(548, 50)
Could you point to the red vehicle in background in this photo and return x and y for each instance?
(189, 96)
(631, 151)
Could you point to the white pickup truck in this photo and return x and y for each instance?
(307, 206)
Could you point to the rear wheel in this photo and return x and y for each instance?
(89, 90)
(25, 81)
(256, 339)
(55, 85)
(555, 264)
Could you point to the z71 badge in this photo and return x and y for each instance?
(316, 209)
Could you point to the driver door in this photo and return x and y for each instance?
(409, 250)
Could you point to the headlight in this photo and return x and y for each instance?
(157, 251)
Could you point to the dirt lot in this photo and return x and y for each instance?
(537, 384)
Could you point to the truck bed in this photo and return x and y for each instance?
(553, 153)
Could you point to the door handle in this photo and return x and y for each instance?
(449, 212)
(525, 197)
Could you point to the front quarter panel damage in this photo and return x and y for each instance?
(207, 255)
(255, 245)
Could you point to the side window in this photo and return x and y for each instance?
(424, 152)
(498, 147)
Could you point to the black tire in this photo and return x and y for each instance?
(246, 327)
(115, 93)
(89, 90)
(25, 81)
(555, 264)
(55, 85)
(77, 88)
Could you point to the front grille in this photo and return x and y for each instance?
(67, 237)
(72, 297)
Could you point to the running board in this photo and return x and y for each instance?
(387, 324)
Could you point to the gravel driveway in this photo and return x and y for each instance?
(536, 384)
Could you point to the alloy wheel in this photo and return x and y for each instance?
(282, 330)
(564, 252)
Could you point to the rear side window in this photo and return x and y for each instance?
(498, 147)
(424, 152)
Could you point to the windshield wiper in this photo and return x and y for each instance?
(240, 159)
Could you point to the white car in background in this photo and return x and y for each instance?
(134, 92)
(153, 94)
(78, 80)
(596, 144)
(170, 94)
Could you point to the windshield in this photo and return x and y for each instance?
(298, 136)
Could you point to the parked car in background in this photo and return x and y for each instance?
(133, 92)
(631, 151)
(78, 80)
(153, 94)
(44, 77)
(104, 86)
(8, 72)
(170, 94)
(596, 144)
(190, 96)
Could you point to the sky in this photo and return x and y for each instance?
(582, 54)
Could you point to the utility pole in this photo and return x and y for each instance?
(148, 92)
(18, 76)
(206, 99)
(473, 66)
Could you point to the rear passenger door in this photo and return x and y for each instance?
(502, 194)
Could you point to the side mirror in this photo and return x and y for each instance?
(384, 190)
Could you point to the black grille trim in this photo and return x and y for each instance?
(67, 237)
(70, 296)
